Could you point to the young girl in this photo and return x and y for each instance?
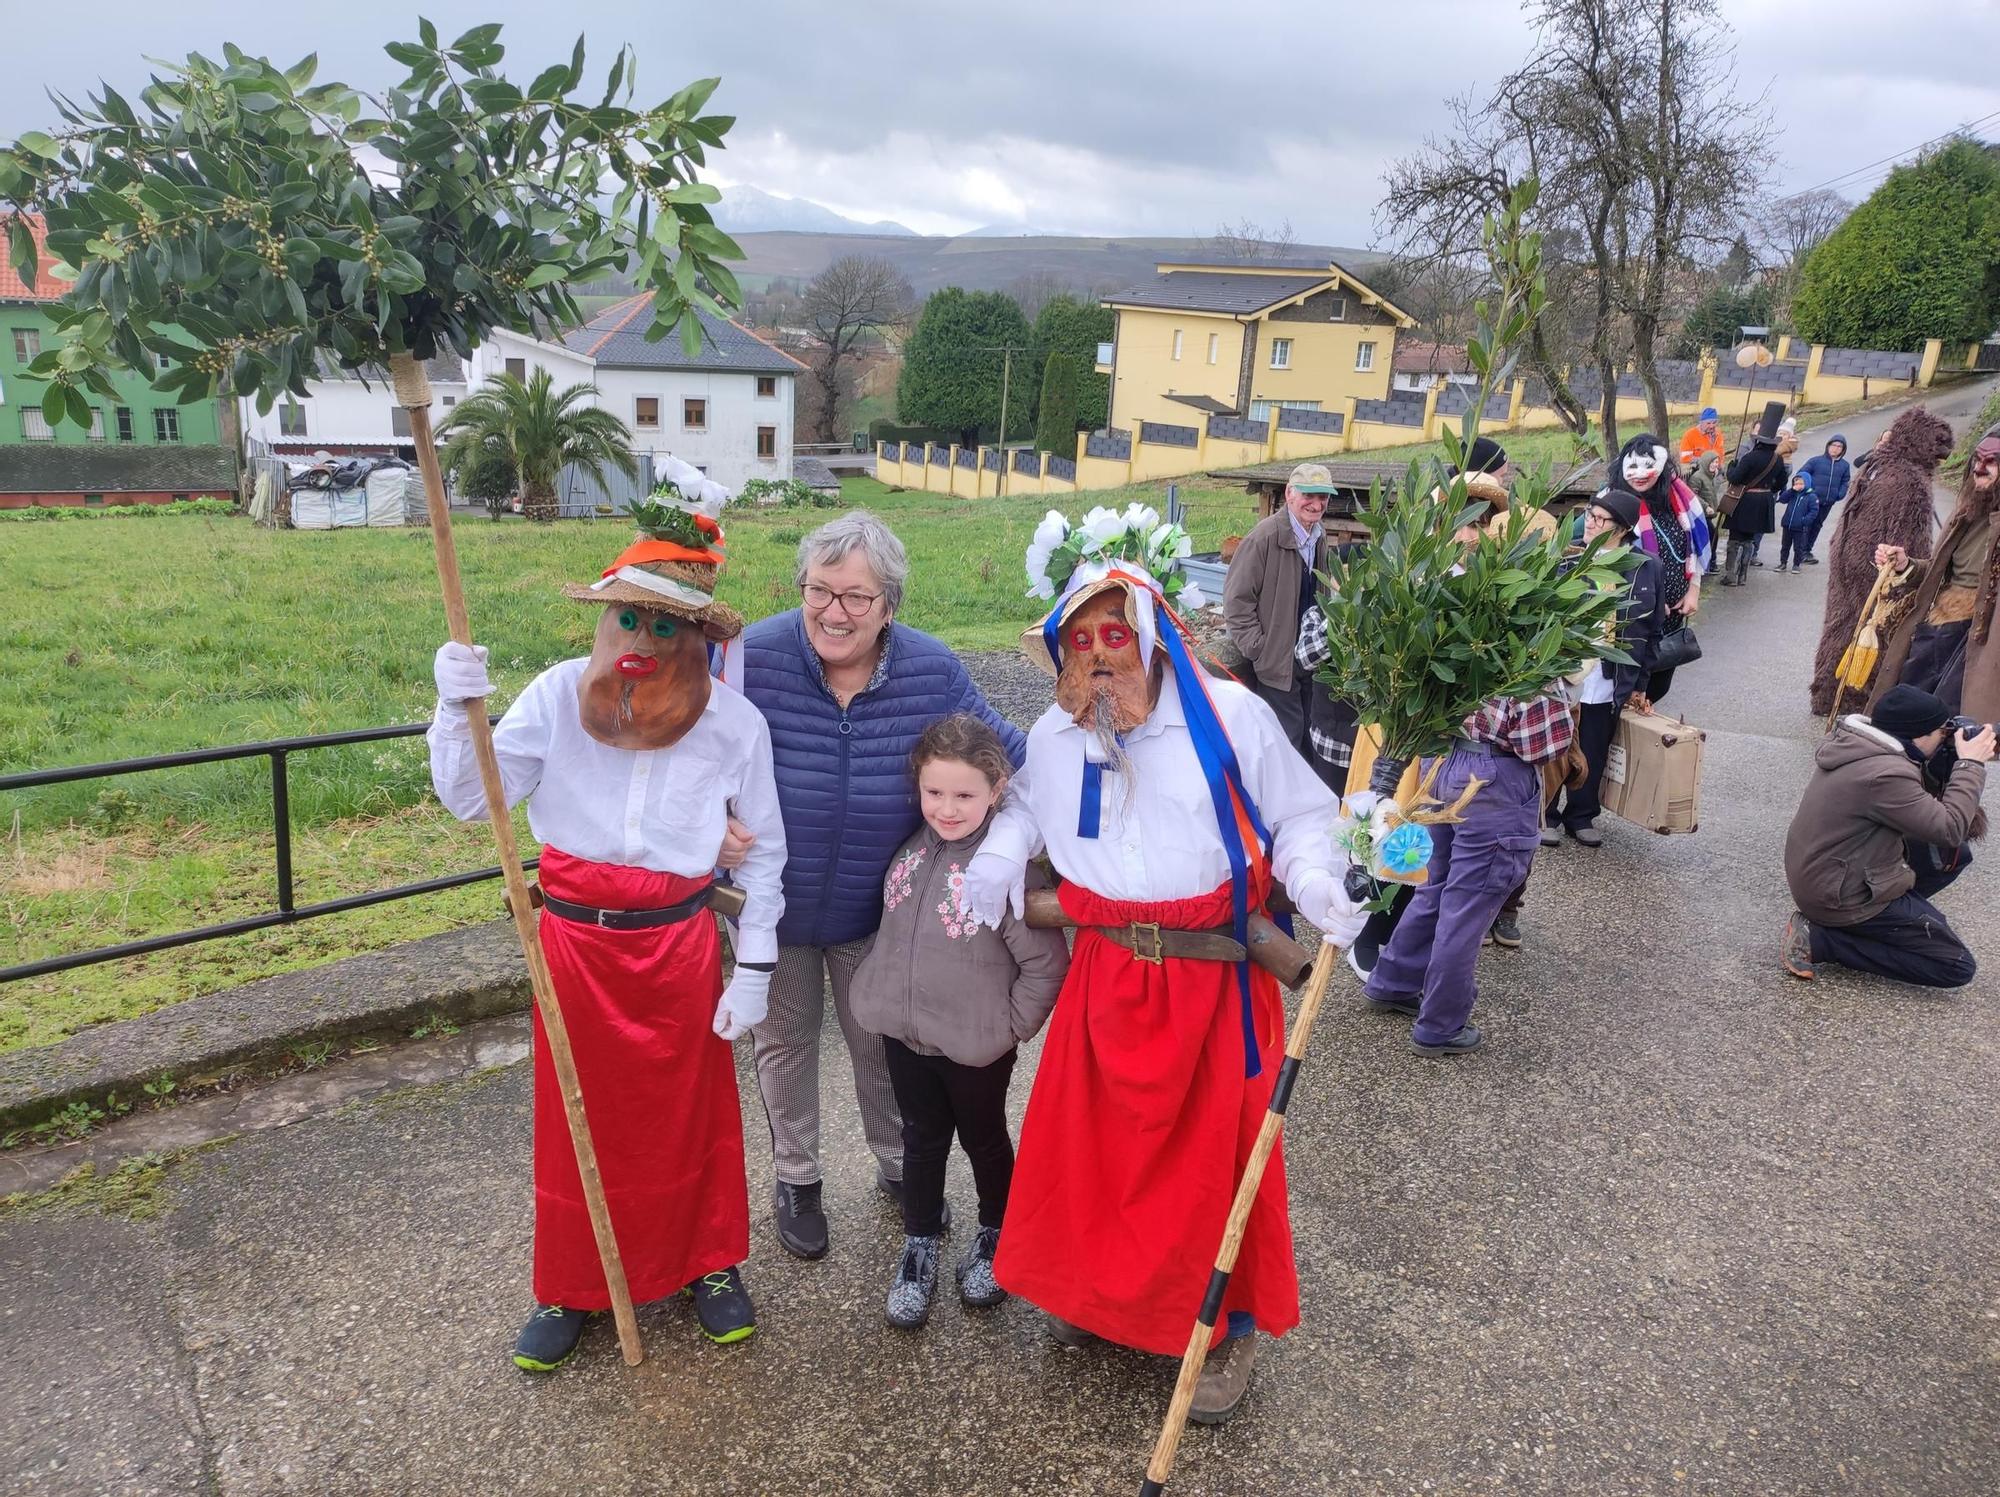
(951, 1000)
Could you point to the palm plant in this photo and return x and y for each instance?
(540, 431)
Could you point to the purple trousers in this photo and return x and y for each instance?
(1474, 866)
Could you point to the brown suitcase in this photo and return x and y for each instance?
(1652, 774)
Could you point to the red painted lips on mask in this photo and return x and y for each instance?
(636, 665)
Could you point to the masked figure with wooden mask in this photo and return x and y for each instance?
(631, 759)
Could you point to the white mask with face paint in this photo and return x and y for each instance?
(1642, 467)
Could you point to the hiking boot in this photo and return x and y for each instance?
(1225, 1378)
(976, 1284)
(1072, 1336)
(1798, 957)
(723, 1307)
(549, 1338)
(801, 1219)
(1587, 836)
(1507, 932)
(1464, 1042)
(893, 1189)
(916, 1281)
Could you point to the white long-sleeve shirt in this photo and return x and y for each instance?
(1168, 847)
(663, 809)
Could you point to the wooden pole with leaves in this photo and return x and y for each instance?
(241, 225)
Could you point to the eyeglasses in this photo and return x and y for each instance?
(853, 602)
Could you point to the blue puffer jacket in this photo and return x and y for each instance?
(844, 776)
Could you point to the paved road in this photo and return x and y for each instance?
(1684, 1226)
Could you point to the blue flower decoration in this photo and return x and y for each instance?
(1406, 849)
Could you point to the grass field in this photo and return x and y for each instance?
(206, 631)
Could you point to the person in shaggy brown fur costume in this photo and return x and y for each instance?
(1890, 505)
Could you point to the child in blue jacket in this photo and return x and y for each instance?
(1801, 504)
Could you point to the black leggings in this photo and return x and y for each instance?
(937, 1095)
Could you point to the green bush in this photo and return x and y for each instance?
(1055, 427)
(784, 493)
(1069, 326)
(121, 511)
(952, 365)
(1920, 259)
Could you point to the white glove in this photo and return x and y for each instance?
(1322, 898)
(744, 1003)
(993, 883)
(461, 673)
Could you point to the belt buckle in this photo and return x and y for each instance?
(603, 921)
(1141, 930)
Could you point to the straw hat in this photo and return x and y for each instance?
(675, 558)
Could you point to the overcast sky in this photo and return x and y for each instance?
(1076, 117)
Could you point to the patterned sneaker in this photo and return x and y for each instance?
(1506, 933)
(1797, 953)
(723, 1307)
(549, 1338)
(916, 1280)
(976, 1284)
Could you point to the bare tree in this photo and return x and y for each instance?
(1795, 227)
(852, 297)
(1035, 290)
(1249, 240)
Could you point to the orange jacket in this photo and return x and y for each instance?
(1697, 446)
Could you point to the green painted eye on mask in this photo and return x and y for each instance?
(664, 627)
(628, 620)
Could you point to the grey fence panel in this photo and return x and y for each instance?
(1777, 377)
(1028, 461)
(992, 459)
(1988, 357)
(1456, 400)
(1062, 467)
(1236, 429)
(1110, 443)
(1161, 434)
(1333, 422)
(1403, 409)
(1869, 363)
(941, 454)
(968, 457)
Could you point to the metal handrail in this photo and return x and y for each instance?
(288, 912)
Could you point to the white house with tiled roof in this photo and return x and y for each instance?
(727, 409)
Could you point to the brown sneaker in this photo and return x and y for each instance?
(1798, 957)
(1225, 1378)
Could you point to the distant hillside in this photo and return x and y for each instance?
(748, 210)
(986, 262)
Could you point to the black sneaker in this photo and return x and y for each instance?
(1466, 1040)
(1507, 932)
(916, 1281)
(723, 1307)
(549, 1338)
(1811, 561)
(893, 1189)
(801, 1219)
(976, 1284)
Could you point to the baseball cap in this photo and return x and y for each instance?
(1311, 478)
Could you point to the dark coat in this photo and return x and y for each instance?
(1802, 507)
(1979, 696)
(1829, 474)
(1763, 475)
(844, 772)
(1642, 620)
(1890, 504)
(1844, 858)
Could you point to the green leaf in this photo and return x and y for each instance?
(300, 73)
(52, 405)
(428, 33)
(38, 144)
(695, 192)
(546, 274)
(617, 77)
(409, 56)
(477, 37)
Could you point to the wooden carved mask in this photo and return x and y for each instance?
(647, 680)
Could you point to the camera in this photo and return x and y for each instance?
(1970, 727)
(1947, 751)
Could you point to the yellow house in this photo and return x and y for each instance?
(1246, 340)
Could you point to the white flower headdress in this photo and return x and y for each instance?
(1135, 534)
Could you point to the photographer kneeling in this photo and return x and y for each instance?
(1883, 826)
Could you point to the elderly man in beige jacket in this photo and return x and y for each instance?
(1273, 579)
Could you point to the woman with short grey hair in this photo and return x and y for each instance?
(846, 691)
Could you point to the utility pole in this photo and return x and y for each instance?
(1006, 352)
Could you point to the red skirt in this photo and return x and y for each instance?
(659, 1090)
(1137, 1131)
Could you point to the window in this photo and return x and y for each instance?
(1281, 353)
(1336, 310)
(1214, 346)
(399, 420)
(34, 425)
(93, 499)
(1260, 410)
(646, 412)
(27, 344)
(291, 419)
(767, 441)
(1364, 357)
(96, 425)
(450, 401)
(166, 425)
(694, 415)
(767, 387)
(518, 368)
(1177, 343)
(164, 362)
(124, 423)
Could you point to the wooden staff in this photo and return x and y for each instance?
(413, 393)
(1162, 1464)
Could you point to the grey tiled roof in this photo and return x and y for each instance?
(815, 474)
(101, 468)
(1199, 291)
(616, 338)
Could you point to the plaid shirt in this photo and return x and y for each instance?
(1311, 652)
(1537, 729)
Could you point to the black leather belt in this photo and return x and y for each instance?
(583, 914)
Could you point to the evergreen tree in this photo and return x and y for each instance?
(1920, 259)
(1069, 326)
(952, 366)
(1056, 426)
